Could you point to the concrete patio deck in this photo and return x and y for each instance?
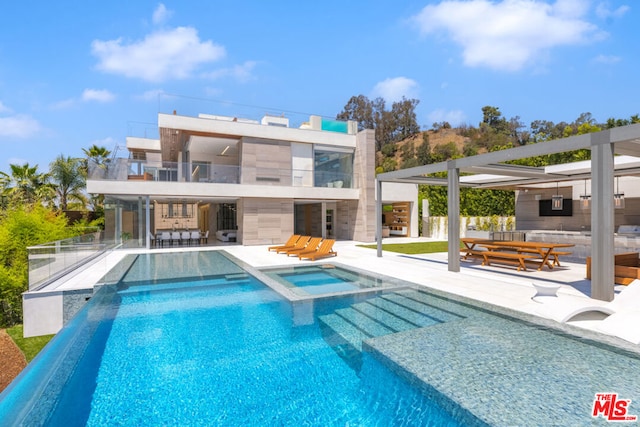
(498, 285)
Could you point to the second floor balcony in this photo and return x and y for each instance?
(203, 172)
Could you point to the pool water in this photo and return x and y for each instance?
(323, 279)
(224, 350)
(215, 346)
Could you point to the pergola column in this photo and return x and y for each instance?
(147, 223)
(379, 217)
(453, 208)
(602, 217)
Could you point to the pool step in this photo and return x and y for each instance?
(387, 317)
(414, 300)
(385, 314)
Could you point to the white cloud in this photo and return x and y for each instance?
(19, 126)
(393, 89)
(241, 72)
(604, 12)
(162, 55)
(4, 108)
(64, 104)
(453, 117)
(101, 95)
(510, 34)
(607, 59)
(161, 14)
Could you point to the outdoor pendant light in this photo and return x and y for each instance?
(556, 200)
(585, 199)
(618, 197)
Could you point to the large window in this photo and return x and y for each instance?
(227, 218)
(333, 167)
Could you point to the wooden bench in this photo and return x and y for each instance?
(553, 255)
(556, 254)
(514, 258)
(626, 268)
(472, 253)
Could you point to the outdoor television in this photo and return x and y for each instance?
(545, 209)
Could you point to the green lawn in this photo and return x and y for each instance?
(412, 248)
(29, 346)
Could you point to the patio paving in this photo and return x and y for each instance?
(498, 285)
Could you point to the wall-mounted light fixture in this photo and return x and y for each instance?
(618, 197)
(585, 199)
(556, 200)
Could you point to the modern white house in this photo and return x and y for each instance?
(248, 181)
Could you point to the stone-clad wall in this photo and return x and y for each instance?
(265, 221)
(364, 225)
(265, 162)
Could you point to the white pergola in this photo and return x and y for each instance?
(489, 171)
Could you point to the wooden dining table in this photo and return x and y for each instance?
(546, 253)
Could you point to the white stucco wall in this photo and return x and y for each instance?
(398, 192)
(42, 313)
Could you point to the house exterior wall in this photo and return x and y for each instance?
(265, 162)
(364, 229)
(276, 168)
(528, 218)
(265, 221)
(400, 192)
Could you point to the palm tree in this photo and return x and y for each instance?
(25, 184)
(97, 155)
(68, 178)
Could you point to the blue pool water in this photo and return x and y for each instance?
(224, 350)
(194, 339)
(323, 279)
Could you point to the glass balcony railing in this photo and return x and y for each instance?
(203, 172)
(52, 260)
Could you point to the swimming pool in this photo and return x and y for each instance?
(224, 349)
(325, 279)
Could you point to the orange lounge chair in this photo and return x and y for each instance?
(325, 250)
(311, 245)
(288, 244)
(299, 244)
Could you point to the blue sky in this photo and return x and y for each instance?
(77, 73)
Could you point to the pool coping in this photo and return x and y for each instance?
(259, 273)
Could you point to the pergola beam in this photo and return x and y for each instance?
(603, 145)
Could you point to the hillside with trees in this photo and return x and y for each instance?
(402, 143)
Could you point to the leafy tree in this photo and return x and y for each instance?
(389, 164)
(446, 151)
(68, 177)
(389, 149)
(390, 126)
(544, 130)
(403, 116)
(423, 153)
(369, 115)
(25, 184)
(21, 227)
(492, 119)
(440, 125)
(361, 109)
(408, 150)
(409, 163)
